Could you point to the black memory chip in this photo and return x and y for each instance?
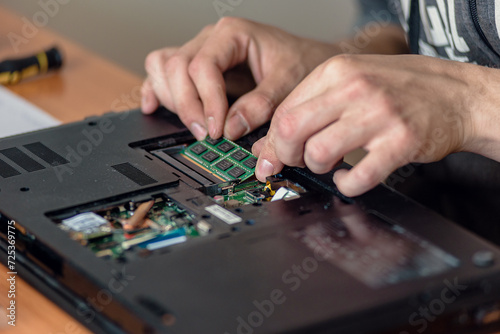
(213, 141)
(224, 165)
(251, 162)
(210, 156)
(236, 172)
(225, 147)
(198, 149)
(239, 155)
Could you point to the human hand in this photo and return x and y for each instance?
(400, 109)
(189, 80)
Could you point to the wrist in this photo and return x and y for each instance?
(390, 40)
(482, 135)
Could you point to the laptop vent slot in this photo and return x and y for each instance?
(46, 154)
(22, 159)
(7, 170)
(134, 174)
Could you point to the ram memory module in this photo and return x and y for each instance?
(223, 158)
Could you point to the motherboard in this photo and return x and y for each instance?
(160, 222)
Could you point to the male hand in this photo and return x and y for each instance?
(190, 81)
(400, 109)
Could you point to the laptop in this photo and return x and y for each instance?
(132, 226)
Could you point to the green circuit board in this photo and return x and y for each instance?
(103, 232)
(223, 158)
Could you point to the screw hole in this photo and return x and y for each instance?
(93, 123)
(24, 189)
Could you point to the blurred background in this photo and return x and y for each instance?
(125, 31)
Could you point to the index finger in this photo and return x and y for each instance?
(225, 49)
(334, 71)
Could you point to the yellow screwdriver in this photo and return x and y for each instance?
(14, 70)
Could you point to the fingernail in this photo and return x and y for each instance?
(198, 131)
(265, 168)
(211, 127)
(237, 126)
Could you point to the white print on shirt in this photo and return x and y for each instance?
(497, 16)
(440, 29)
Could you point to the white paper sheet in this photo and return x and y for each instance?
(18, 115)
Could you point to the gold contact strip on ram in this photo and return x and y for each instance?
(203, 167)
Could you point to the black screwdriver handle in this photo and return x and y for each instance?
(14, 70)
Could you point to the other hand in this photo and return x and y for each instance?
(400, 109)
(190, 81)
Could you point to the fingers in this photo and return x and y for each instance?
(326, 148)
(221, 52)
(190, 80)
(296, 126)
(211, 88)
(373, 169)
(169, 80)
(309, 108)
(289, 131)
(156, 83)
(258, 106)
(186, 101)
(149, 102)
(310, 87)
(184, 97)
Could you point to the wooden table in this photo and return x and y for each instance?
(86, 85)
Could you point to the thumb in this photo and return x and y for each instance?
(268, 164)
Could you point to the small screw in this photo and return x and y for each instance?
(483, 259)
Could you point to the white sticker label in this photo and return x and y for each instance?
(84, 222)
(221, 213)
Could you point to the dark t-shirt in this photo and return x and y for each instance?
(465, 187)
(461, 30)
